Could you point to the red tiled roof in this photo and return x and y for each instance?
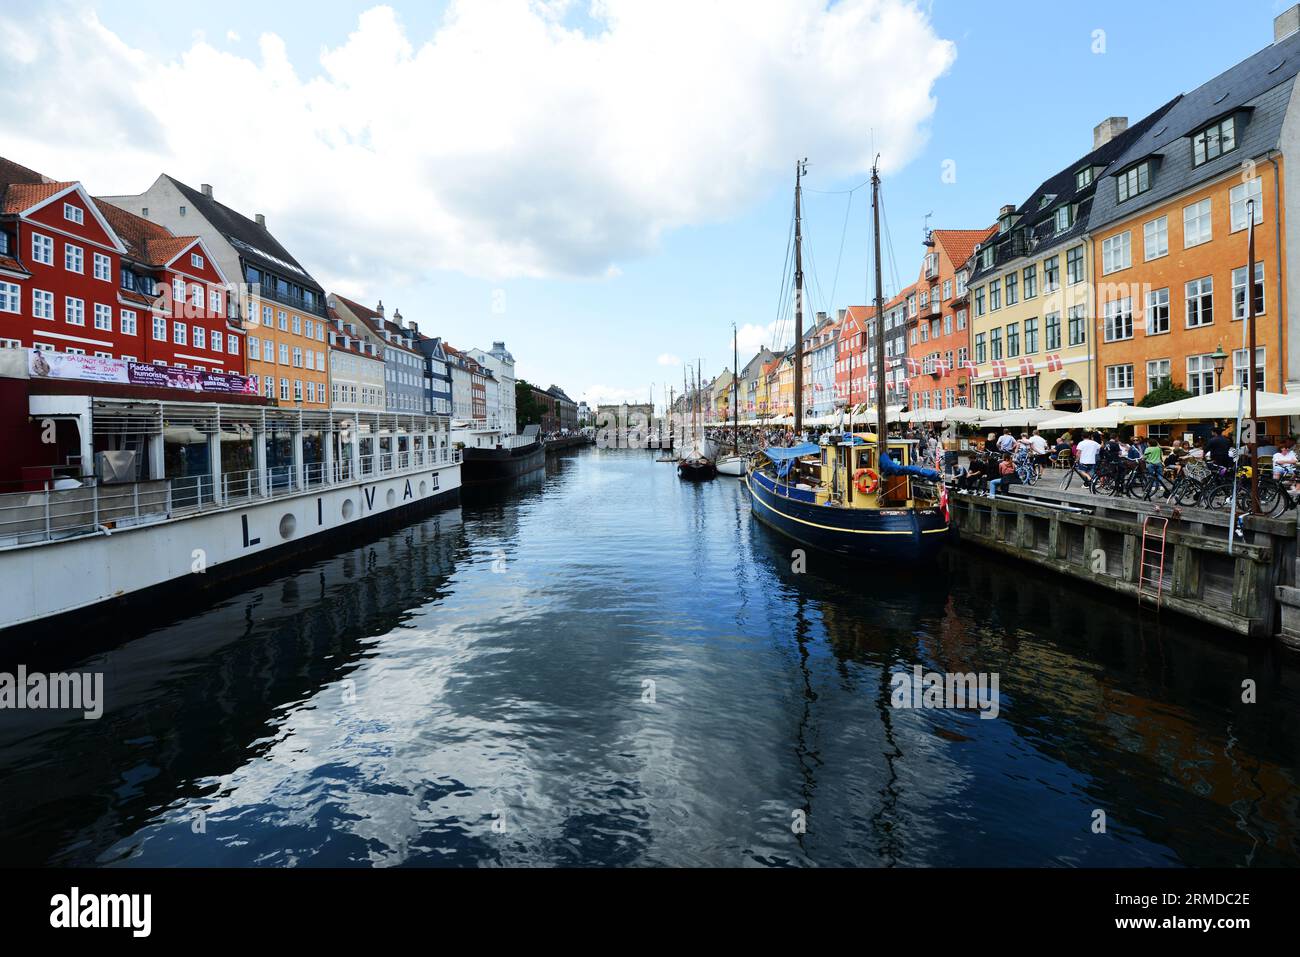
(21, 196)
(854, 317)
(378, 323)
(960, 243)
(145, 241)
(11, 172)
(13, 265)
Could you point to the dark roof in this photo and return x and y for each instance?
(253, 242)
(11, 172)
(1035, 217)
(377, 323)
(556, 391)
(1261, 84)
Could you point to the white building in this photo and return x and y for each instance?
(501, 395)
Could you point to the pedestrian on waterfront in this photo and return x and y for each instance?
(1006, 441)
(1219, 448)
(1153, 455)
(1086, 456)
(1008, 476)
(1038, 449)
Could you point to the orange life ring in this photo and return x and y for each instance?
(866, 481)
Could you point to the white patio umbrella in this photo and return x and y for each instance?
(1012, 417)
(963, 414)
(1220, 405)
(1107, 417)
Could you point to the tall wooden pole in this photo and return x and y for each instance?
(799, 168)
(882, 417)
(1250, 358)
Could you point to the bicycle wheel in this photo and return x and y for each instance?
(1217, 496)
(1271, 495)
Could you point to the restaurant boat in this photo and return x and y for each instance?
(855, 495)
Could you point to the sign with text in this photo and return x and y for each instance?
(63, 365)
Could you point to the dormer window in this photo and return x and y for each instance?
(1134, 180)
(1215, 140)
(1064, 218)
(1083, 178)
(986, 258)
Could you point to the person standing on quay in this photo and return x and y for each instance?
(1088, 450)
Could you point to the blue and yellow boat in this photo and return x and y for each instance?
(843, 497)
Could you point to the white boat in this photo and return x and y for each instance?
(733, 465)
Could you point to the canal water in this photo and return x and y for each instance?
(606, 666)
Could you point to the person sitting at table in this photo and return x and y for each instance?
(1284, 460)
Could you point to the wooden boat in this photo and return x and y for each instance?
(856, 495)
(841, 497)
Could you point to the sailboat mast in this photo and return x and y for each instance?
(882, 417)
(735, 390)
(799, 169)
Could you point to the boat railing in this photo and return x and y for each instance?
(43, 514)
(47, 514)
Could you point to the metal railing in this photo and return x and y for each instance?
(48, 514)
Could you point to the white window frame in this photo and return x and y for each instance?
(74, 214)
(42, 249)
(1157, 230)
(1253, 188)
(1198, 228)
(1117, 252)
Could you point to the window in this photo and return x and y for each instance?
(995, 395)
(11, 297)
(268, 384)
(1200, 302)
(947, 325)
(196, 296)
(1155, 239)
(1031, 336)
(297, 390)
(103, 267)
(266, 316)
(297, 357)
(1239, 368)
(995, 344)
(283, 318)
(179, 333)
(74, 214)
(1031, 392)
(1052, 274)
(981, 396)
(268, 350)
(1052, 331)
(1116, 253)
(74, 258)
(1157, 312)
(1063, 219)
(980, 354)
(1083, 178)
(217, 341)
(42, 249)
(1252, 189)
(103, 317)
(1118, 316)
(1158, 373)
(1200, 374)
(1013, 340)
(196, 260)
(1132, 181)
(1215, 140)
(232, 344)
(1239, 291)
(1078, 325)
(200, 338)
(995, 295)
(1119, 382)
(1196, 224)
(214, 301)
(1031, 281)
(961, 283)
(178, 291)
(979, 302)
(947, 289)
(297, 325)
(74, 311)
(75, 352)
(1013, 288)
(160, 328)
(284, 389)
(1013, 394)
(961, 319)
(284, 353)
(254, 347)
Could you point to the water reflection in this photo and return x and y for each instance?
(604, 665)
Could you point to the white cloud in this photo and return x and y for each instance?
(751, 338)
(668, 359)
(509, 143)
(232, 36)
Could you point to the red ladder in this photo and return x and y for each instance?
(1151, 576)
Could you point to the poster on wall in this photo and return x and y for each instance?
(65, 365)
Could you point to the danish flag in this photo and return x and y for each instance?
(941, 367)
(1054, 362)
(999, 369)
(1026, 367)
(913, 367)
(970, 367)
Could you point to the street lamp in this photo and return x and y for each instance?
(1220, 358)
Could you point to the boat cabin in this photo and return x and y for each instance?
(844, 465)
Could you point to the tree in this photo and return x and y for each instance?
(527, 411)
(1167, 391)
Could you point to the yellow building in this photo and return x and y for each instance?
(1030, 289)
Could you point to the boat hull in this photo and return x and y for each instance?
(496, 465)
(885, 535)
(696, 471)
(733, 465)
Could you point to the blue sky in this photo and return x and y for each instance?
(1018, 102)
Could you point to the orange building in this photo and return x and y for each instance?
(1168, 233)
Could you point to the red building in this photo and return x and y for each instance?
(69, 282)
(852, 374)
(182, 294)
(938, 321)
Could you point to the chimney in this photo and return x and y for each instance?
(1287, 23)
(207, 190)
(415, 328)
(380, 308)
(397, 317)
(1007, 210)
(261, 220)
(1107, 130)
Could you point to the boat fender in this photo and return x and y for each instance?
(866, 481)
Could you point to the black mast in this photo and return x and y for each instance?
(882, 424)
(800, 167)
(735, 391)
